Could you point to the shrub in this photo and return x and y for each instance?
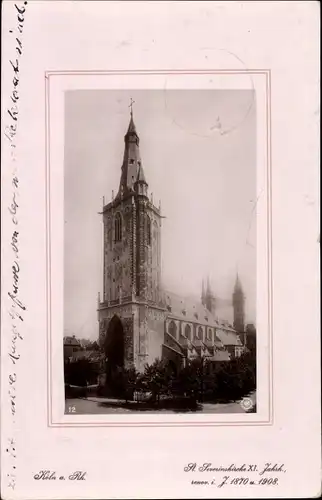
(200, 380)
(81, 372)
(156, 379)
(204, 381)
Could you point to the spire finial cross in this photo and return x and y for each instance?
(131, 105)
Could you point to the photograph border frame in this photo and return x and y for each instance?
(142, 72)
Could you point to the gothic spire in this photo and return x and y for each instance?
(239, 306)
(238, 286)
(208, 297)
(208, 291)
(132, 169)
(131, 131)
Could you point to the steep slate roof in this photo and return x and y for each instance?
(132, 164)
(89, 355)
(192, 307)
(228, 337)
(187, 309)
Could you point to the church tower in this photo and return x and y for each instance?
(239, 307)
(207, 298)
(132, 265)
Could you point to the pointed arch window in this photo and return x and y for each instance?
(187, 331)
(118, 227)
(148, 229)
(199, 333)
(172, 329)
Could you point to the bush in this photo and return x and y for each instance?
(81, 372)
(129, 382)
(156, 379)
(199, 381)
(204, 381)
(237, 378)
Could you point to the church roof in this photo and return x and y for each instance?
(228, 337)
(189, 309)
(68, 340)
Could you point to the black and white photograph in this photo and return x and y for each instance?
(160, 251)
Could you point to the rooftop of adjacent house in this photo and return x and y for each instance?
(71, 341)
(228, 337)
(93, 356)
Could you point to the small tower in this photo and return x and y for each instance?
(203, 294)
(207, 297)
(239, 306)
(141, 186)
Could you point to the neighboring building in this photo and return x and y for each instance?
(138, 320)
(71, 346)
(85, 343)
(92, 356)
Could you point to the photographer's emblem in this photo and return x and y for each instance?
(246, 404)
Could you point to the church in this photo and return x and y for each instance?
(139, 321)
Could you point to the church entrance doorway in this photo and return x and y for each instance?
(114, 350)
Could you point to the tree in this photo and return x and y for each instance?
(81, 372)
(130, 377)
(156, 379)
(186, 383)
(237, 377)
(194, 380)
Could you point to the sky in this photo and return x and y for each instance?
(198, 150)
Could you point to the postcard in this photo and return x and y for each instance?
(160, 255)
